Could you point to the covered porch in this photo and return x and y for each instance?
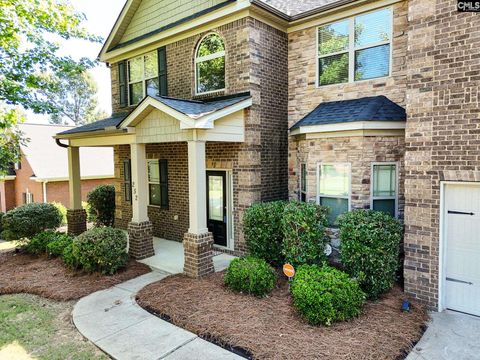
(157, 123)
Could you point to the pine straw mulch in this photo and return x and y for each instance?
(49, 278)
(269, 328)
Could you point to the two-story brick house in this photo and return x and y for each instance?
(351, 104)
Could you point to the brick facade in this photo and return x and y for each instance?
(7, 195)
(140, 240)
(256, 61)
(198, 250)
(76, 221)
(443, 133)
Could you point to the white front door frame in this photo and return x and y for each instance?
(230, 220)
(442, 253)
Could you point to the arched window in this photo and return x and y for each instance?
(210, 64)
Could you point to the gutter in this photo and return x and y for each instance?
(56, 179)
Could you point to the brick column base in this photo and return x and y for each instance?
(140, 240)
(198, 254)
(76, 221)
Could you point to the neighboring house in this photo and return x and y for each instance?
(350, 104)
(42, 174)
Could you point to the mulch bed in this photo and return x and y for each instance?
(269, 328)
(49, 278)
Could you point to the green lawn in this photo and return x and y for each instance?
(34, 328)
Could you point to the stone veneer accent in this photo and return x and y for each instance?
(140, 240)
(198, 251)
(76, 221)
(443, 133)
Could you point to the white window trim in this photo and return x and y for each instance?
(151, 182)
(372, 198)
(198, 60)
(143, 80)
(351, 49)
(349, 196)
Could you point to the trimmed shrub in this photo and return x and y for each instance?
(303, 227)
(370, 249)
(323, 295)
(101, 249)
(28, 220)
(62, 210)
(1, 223)
(56, 247)
(250, 275)
(69, 258)
(38, 244)
(102, 205)
(262, 229)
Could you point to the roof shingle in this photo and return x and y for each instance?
(374, 108)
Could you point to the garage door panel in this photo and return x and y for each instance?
(462, 236)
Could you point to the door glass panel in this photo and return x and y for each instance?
(215, 197)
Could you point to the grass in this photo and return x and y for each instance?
(36, 328)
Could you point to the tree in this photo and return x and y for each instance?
(74, 94)
(28, 33)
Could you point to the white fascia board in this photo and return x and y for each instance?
(8, 177)
(348, 126)
(207, 121)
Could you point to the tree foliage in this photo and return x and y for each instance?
(29, 34)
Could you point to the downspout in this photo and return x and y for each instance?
(44, 185)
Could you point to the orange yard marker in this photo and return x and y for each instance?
(289, 271)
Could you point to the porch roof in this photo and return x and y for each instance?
(192, 109)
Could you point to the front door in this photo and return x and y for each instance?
(462, 230)
(217, 206)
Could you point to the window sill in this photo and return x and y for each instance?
(379, 79)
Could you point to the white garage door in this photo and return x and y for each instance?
(462, 230)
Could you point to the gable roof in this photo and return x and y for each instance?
(50, 161)
(374, 108)
(192, 109)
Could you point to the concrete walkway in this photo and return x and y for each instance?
(450, 336)
(113, 321)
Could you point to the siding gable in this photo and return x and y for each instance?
(152, 15)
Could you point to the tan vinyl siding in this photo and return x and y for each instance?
(153, 14)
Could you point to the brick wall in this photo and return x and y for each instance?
(58, 191)
(256, 57)
(23, 182)
(304, 96)
(443, 128)
(7, 195)
(359, 151)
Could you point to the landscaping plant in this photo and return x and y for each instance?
(38, 244)
(63, 211)
(303, 227)
(102, 249)
(262, 229)
(101, 201)
(56, 247)
(370, 249)
(24, 222)
(1, 223)
(250, 275)
(323, 295)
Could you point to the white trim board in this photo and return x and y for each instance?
(350, 126)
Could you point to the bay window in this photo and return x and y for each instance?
(384, 188)
(357, 48)
(334, 188)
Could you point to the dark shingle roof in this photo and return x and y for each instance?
(192, 108)
(375, 108)
(114, 120)
(292, 8)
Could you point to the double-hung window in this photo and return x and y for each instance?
(158, 183)
(143, 77)
(334, 188)
(384, 188)
(357, 48)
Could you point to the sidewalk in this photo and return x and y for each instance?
(113, 321)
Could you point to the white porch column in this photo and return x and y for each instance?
(74, 185)
(139, 183)
(197, 188)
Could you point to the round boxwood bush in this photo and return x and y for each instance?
(101, 249)
(303, 227)
(262, 229)
(370, 249)
(323, 295)
(101, 201)
(27, 220)
(250, 275)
